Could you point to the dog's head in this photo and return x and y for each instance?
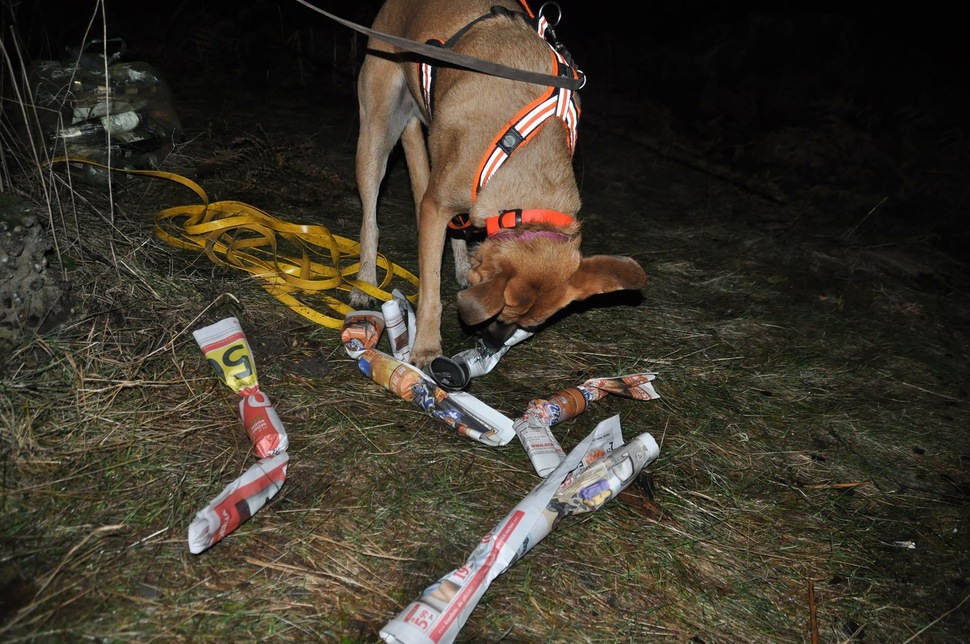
(527, 279)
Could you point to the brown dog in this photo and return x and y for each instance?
(530, 265)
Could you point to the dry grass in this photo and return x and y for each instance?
(812, 425)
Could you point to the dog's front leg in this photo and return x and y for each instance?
(371, 164)
(431, 244)
(385, 110)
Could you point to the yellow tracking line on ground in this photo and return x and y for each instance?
(296, 263)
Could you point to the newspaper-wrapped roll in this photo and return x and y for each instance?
(240, 500)
(635, 385)
(539, 443)
(227, 350)
(263, 424)
(362, 330)
(584, 481)
(465, 414)
(462, 412)
(534, 427)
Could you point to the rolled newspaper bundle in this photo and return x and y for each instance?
(263, 424)
(226, 348)
(240, 500)
(544, 451)
(634, 385)
(584, 481)
(462, 412)
(362, 330)
(534, 427)
(465, 414)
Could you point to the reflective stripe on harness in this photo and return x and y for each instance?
(554, 101)
(426, 75)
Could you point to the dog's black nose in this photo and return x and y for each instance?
(496, 332)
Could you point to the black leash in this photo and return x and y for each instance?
(461, 60)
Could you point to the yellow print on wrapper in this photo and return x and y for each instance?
(233, 363)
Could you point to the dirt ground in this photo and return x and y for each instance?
(803, 231)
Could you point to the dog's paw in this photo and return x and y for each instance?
(422, 359)
(360, 301)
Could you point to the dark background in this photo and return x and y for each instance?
(891, 55)
(743, 85)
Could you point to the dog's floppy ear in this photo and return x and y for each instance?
(604, 274)
(483, 300)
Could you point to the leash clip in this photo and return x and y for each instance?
(550, 33)
(542, 14)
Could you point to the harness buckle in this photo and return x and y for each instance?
(510, 140)
(510, 219)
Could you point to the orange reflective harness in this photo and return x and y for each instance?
(520, 129)
(554, 102)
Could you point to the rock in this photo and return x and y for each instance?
(32, 297)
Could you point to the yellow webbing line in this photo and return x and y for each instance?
(291, 260)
